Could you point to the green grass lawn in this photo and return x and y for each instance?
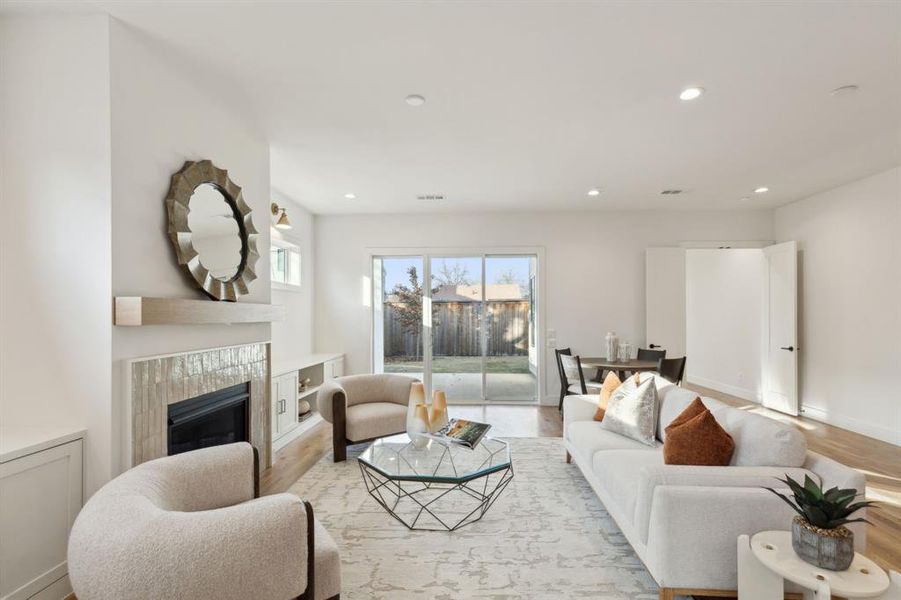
(460, 364)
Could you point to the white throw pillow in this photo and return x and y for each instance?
(632, 411)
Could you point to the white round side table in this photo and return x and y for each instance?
(767, 560)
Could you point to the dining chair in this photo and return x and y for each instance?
(649, 354)
(575, 377)
(572, 378)
(672, 369)
(564, 385)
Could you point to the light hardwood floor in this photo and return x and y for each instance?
(879, 461)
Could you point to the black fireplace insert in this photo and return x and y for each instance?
(220, 417)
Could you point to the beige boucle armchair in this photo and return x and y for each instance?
(192, 526)
(362, 408)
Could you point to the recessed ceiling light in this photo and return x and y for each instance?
(350, 196)
(415, 100)
(691, 93)
(761, 190)
(594, 192)
(845, 89)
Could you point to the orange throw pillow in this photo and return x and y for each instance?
(610, 385)
(695, 438)
(691, 411)
(611, 382)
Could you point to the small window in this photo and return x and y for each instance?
(285, 264)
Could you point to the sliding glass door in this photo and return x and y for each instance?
(398, 331)
(511, 352)
(471, 331)
(457, 341)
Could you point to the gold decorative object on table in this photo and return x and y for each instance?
(420, 426)
(417, 396)
(438, 417)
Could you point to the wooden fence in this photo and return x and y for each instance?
(455, 329)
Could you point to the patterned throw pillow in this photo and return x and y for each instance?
(695, 438)
(632, 412)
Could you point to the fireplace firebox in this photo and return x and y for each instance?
(220, 417)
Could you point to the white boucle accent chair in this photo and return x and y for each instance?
(362, 408)
(684, 521)
(192, 526)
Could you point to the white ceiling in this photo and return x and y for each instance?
(531, 104)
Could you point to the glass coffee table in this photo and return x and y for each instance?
(442, 486)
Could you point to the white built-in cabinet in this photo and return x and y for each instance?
(41, 488)
(295, 385)
(284, 404)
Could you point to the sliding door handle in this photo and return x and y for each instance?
(789, 348)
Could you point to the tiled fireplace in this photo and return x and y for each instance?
(163, 386)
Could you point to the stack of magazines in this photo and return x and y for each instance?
(462, 432)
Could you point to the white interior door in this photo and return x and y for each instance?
(665, 300)
(780, 360)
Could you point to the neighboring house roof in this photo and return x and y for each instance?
(473, 293)
(469, 293)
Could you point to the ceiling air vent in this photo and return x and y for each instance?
(430, 197)
(671, 192)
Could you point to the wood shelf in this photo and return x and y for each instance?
(134, 311)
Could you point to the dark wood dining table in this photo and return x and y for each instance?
(620, 366)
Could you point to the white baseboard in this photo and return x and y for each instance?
(726, 388)
(885, 434)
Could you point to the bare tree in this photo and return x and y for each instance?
(509, 277)
(456, 274)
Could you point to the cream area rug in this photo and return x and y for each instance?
(546, 536)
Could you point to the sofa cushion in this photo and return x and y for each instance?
(673, 400)
(618, 471)
(589, 437)
(759, 440)
(375, 419)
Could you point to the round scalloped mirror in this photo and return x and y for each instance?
(211, 230)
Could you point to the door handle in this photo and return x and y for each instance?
(653, 346)
(789, 348)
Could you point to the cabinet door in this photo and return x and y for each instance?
(274, 408)
(40, 494)
(287, 394)
(333, 368)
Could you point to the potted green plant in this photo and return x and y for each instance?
(819, 535)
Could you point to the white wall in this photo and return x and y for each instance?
(724, 319)
(163, 115)
(850, 303)
(55, 262)
(594, 271)
(293, 337)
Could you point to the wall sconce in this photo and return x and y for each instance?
(282, 222)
